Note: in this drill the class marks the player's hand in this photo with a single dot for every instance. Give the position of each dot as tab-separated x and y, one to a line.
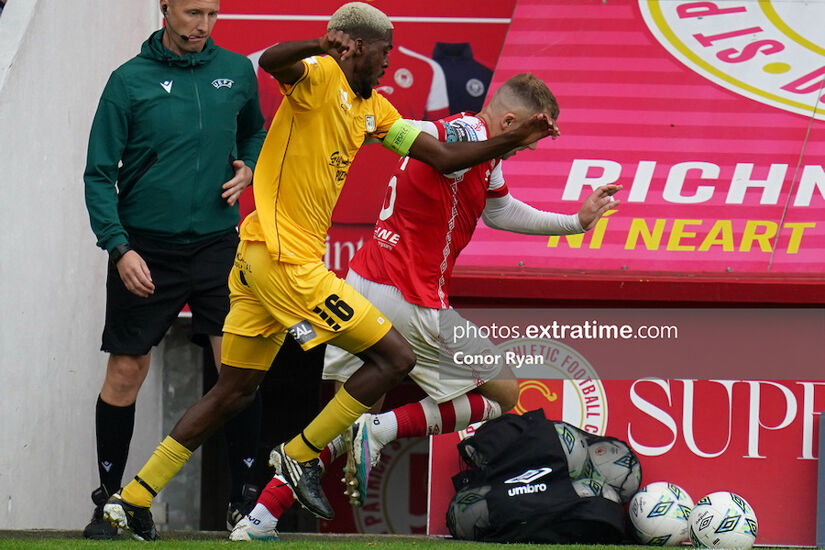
135	274
599	202
537	127
338	44
234	187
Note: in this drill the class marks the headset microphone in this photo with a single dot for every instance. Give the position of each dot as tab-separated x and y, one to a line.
183	36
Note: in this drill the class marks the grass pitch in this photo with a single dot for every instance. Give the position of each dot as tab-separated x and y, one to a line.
69	540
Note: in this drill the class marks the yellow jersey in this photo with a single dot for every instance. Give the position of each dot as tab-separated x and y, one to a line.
314	137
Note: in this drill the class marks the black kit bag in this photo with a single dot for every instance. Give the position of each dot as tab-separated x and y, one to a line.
517	488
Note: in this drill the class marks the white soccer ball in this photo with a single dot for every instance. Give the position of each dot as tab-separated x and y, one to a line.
614	462
659	513
723	520
590	487
468	517
575	448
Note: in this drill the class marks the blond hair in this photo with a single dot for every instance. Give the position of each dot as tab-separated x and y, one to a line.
360	20
527	91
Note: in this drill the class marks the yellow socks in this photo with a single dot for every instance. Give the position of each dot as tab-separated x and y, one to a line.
161	467
337	416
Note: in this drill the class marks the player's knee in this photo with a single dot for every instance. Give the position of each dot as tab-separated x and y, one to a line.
398	361
404	360
234	394
509	397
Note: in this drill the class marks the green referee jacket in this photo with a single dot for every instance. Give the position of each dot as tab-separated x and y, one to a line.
162	142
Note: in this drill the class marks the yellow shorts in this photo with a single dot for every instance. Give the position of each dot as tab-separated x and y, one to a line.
270	298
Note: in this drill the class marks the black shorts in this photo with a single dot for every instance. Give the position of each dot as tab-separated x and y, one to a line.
196	274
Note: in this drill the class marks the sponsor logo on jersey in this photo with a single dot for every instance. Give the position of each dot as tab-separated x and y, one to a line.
459	130
340	163
222	83
386	237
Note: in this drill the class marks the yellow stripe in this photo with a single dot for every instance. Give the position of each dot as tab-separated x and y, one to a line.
774	18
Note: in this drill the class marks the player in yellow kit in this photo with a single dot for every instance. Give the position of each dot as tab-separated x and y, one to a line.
279	282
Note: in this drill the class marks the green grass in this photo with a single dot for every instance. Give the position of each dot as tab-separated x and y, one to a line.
46	540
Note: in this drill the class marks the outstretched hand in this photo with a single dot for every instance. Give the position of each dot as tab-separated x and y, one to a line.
599	202
338	44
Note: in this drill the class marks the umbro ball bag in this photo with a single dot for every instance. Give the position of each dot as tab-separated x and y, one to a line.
516	488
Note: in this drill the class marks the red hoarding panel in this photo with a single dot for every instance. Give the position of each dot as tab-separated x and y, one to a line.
704	112
755	438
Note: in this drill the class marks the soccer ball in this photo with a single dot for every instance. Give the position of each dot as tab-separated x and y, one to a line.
614	462
575	448
590	487
723	520
659	513
468	517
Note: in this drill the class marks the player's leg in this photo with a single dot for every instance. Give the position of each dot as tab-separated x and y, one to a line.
210	266
245	361
261	523
132	326
457	395
337	314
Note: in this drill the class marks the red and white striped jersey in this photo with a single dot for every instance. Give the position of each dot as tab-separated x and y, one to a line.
428	218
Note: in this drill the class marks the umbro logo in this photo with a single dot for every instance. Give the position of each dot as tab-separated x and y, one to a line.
167	85
222	82
530	475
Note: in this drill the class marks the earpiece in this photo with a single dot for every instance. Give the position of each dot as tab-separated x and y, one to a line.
164	8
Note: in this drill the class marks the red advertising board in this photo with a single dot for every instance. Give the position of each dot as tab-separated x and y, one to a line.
710	116
756	438
708	113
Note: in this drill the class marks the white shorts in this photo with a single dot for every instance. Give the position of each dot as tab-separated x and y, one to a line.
435	371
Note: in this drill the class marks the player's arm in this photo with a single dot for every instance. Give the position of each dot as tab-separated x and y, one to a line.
283	61
510	214
406	139
107	141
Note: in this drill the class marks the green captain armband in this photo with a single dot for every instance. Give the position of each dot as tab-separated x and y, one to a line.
400	137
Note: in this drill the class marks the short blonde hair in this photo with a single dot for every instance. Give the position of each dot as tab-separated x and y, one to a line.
528	91
360	20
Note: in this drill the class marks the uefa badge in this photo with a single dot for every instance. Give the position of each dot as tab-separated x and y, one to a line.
370	121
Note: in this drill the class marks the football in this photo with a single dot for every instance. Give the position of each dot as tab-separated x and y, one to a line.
589	487
468	516
575	448
659	513
614	462
723	520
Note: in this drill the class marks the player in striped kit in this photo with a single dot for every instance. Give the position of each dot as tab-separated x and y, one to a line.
405	271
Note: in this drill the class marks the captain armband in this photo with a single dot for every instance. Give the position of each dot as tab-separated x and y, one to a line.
401	136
